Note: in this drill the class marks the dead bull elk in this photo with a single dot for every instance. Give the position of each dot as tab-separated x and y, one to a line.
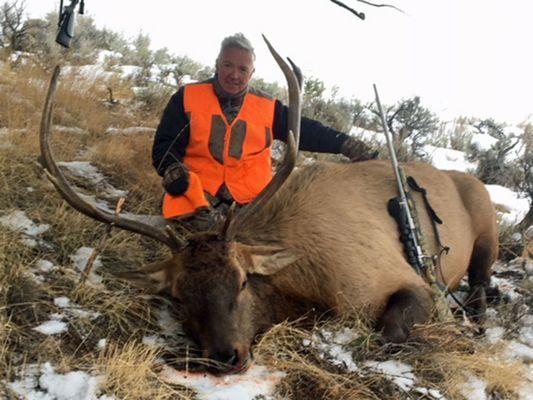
318	238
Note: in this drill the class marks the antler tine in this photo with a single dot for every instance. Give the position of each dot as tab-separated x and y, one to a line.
76	201
294	82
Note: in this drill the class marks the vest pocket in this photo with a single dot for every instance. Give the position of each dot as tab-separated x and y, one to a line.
258	171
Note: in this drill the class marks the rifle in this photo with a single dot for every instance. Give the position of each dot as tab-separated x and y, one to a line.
403	209
66	21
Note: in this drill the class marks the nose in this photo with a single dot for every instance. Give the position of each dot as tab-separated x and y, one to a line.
234	74
227	360
229	357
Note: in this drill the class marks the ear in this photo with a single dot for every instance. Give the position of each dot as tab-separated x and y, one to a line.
165	273
262	259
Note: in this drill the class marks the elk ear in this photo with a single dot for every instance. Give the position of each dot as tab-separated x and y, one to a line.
263	259
162	275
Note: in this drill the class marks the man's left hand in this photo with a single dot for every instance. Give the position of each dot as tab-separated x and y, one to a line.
356	150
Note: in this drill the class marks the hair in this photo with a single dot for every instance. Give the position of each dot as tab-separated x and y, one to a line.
237	40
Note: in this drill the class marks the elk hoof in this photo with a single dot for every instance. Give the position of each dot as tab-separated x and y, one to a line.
404	309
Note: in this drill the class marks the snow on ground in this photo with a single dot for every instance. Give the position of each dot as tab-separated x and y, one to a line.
127	71
43	383
483	141
333	346
80	259
474	389
53	326
86	170
448	159
512	206
516	206
256	382
19	222
104	56
69	130
87	73
44	265
400	373
75	310
133	130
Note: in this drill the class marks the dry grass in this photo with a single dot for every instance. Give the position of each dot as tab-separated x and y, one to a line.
130	371
440	356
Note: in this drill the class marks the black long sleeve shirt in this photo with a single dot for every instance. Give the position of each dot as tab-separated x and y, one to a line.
173	133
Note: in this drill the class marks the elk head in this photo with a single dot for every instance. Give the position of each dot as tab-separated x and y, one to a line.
215	279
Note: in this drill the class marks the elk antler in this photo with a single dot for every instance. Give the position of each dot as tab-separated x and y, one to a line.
294	82
152	226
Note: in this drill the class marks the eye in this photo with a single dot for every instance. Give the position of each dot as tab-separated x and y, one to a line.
244	284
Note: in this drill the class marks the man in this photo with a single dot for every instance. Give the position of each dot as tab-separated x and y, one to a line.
212	146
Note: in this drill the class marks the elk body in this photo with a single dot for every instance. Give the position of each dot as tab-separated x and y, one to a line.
318	238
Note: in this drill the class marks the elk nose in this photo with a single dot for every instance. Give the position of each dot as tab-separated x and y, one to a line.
229	357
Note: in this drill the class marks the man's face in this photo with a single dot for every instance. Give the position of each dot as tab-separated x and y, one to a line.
235	67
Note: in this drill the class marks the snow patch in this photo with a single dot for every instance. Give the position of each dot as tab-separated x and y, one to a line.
75	310
19	222
44	265
507	288
483	141
133	130
398	372
45	384
79	261
474	389
83	169
494	334
69	130
448	159
515	206
256	382
86	170
333	346
52	327
519	351
153	341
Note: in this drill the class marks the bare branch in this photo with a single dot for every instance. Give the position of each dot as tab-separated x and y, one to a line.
361	15
356	13
381	5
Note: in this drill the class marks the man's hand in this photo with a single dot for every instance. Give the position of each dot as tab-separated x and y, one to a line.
176	179
356	150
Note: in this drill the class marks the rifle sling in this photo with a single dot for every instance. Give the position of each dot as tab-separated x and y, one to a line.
432	214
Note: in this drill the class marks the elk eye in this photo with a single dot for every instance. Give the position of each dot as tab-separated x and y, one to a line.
244	284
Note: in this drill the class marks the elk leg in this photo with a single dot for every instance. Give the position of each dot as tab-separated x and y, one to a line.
479	280
405	308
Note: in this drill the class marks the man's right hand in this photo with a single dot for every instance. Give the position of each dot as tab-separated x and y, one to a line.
176	179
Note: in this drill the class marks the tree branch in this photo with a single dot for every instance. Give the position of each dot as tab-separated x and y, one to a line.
361	15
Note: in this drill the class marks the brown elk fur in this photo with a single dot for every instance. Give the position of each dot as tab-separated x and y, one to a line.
326	242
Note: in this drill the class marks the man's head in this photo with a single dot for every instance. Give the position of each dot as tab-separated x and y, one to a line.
235	63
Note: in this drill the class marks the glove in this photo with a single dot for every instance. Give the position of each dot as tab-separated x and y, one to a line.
356	150
176	179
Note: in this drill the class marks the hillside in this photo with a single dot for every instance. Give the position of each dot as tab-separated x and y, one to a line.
64	337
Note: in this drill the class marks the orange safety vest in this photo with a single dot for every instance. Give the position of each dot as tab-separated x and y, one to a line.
236	154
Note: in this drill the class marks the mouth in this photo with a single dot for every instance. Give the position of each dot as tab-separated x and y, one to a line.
242	365
235	85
